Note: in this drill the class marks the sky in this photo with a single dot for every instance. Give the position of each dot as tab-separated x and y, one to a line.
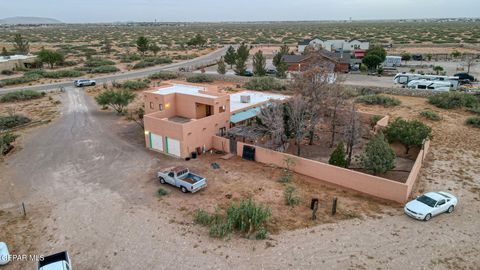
88	11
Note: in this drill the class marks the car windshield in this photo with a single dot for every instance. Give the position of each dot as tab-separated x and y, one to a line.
427	200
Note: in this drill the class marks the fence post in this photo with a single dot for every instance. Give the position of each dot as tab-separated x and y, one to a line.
24	212
334	206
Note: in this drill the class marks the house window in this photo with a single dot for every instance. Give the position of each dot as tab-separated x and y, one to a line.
223	131
160	107
152	106
222	109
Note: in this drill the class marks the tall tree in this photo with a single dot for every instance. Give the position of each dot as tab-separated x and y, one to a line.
270	121
378	156
284	49
409	133
118	100
353	131
50	57
406	56
142	45
278	62
297	111
470	62
336	98
374	57
221	68
259	64
154	48
231	56
242	55
20	44
337	158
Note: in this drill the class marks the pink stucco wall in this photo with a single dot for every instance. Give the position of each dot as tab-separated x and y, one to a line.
221	144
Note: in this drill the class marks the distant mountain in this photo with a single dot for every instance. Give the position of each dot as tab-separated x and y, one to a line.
29	20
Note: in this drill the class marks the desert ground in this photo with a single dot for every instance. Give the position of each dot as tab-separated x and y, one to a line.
89	187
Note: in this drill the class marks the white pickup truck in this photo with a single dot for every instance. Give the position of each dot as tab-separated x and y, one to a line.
59	261
182	178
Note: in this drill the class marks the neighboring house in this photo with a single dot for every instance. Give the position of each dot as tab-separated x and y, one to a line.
183	118
13	62
335	45
338	62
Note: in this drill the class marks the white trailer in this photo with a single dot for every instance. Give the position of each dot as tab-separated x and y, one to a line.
405	78
392	61
423	84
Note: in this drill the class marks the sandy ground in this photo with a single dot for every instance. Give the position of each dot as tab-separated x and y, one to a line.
89	189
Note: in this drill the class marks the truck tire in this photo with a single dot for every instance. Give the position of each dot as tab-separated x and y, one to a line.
184	189
162	180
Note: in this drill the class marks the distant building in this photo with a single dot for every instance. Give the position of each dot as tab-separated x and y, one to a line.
16	61
337	62
334	45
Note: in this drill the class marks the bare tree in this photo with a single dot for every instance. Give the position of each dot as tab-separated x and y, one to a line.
335	101
470	62
353	131
271	122
297	111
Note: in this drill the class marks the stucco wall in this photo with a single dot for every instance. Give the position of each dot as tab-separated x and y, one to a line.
221	144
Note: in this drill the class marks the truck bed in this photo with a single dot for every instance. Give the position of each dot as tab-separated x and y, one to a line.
191	178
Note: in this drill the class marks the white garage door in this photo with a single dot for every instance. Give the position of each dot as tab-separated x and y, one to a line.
156	142
173	147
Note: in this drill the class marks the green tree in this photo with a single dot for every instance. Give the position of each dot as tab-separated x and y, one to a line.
378	156
240	66
154	48
117	100
372	61
456	54
429	57
284	49
50	57
378	51
198	40
406	56
231	56
409	133
242	55
278	62
438	69
142	44
337	158
259	63
20	44
221	68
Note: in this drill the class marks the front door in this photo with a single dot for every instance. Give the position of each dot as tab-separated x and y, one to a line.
233	145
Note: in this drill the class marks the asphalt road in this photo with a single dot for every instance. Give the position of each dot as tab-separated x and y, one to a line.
204	59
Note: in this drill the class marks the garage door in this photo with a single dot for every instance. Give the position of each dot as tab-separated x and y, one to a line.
173	147
156	142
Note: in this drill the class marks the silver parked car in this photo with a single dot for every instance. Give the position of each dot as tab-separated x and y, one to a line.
84	82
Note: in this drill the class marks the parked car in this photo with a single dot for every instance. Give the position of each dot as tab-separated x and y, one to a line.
431	204
84	82
271	71
182	178
417	57
58	261
248	73
463	76
4	254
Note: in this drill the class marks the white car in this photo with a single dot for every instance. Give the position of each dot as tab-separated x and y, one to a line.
4	255
431	204
84	82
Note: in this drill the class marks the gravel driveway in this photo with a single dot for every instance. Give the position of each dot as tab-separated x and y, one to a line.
86	192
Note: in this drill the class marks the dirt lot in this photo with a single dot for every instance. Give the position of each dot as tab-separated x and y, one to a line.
94	195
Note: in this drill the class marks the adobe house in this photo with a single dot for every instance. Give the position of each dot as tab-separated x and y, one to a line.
339	62
334	45
13	62
182	118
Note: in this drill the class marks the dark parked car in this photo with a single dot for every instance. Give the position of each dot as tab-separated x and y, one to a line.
417	57
247	73
463	76
271	71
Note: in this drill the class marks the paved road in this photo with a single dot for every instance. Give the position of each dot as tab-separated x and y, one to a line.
199	61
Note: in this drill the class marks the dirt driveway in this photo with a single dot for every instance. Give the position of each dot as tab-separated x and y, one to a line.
87	190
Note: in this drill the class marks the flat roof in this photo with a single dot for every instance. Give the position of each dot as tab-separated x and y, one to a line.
183	89
255	99
15	57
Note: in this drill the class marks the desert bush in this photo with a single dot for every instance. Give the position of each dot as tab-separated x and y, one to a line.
103	69
163	75
247	216
98	62
431	115
452	100
264	84
20	96
202	217
409	133
337	158
473	121
20	80
135	85
152	61
162	192
7	72
289	194
117	100
6	140
262	234
11	121
475	109
379	100
63	74
199	78
130	58
378	157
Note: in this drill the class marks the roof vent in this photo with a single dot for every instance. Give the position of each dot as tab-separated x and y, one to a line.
245	99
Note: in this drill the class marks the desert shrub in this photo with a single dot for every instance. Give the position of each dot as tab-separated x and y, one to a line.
63	74
264	84
69	63
475	109
98	62
20	96
152	61
6	140
117	100
104	69
7	72
247	216
337	158
289	194
378	157
409	133
199	78
452	100
20	80
185	56
473	121
262	234
130	58
379	100
162	192
163	75
374	120
135	85
431	115
11	121
202	217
